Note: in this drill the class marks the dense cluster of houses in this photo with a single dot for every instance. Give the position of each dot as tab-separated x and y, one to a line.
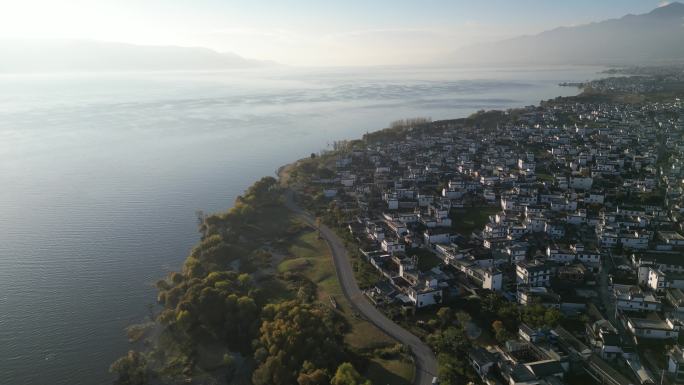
569	205
638	80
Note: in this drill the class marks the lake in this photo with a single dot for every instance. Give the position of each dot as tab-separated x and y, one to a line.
101	176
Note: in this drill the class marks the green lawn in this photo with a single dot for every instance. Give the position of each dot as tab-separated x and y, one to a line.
275	290
546	177
426	258
381	372
366	275
311	257
465	221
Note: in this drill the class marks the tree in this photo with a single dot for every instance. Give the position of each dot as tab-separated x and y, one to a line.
445	316
500	332
131	369
552	317
218	307
491	303
184	319
450	369
312	376
463	318
347	375
538	316
296	338
510	314
452	340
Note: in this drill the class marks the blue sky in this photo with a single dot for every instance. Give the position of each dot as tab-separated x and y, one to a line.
308	32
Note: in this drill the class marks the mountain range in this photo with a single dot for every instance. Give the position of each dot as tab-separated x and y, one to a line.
39	55
656	37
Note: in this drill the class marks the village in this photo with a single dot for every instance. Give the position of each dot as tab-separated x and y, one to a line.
576	206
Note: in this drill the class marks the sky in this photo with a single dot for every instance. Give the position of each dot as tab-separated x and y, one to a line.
307	32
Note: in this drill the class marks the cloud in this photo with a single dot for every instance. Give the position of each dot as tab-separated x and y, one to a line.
338	46
281	35
389	32
664	4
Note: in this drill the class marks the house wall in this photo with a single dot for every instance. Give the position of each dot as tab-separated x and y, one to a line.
493	282
655	334
425	299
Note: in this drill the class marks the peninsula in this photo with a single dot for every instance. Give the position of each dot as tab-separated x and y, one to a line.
540	244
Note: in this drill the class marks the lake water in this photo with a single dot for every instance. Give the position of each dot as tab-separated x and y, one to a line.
101	175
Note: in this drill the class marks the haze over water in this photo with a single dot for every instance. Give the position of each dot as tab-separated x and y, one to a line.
101	175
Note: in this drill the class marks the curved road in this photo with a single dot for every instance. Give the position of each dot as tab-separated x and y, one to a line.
425	361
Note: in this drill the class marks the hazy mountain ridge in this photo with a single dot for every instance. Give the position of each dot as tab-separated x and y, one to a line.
654	37
37	55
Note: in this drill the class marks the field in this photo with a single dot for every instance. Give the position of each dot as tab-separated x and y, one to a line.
426	259
545	177
465	221
311	257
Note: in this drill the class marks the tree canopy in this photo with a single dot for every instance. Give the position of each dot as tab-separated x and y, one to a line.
297	338
347	375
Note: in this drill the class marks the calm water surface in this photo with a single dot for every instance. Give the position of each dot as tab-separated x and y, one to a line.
101	174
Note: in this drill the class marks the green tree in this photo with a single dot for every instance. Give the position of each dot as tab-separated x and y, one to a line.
451	369
296	338
131	369
500	332
312	376
463	318
445	316
552	317
510	314
538	316
451	340
347	375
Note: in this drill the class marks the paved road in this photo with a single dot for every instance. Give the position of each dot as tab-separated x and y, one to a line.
426	363
606	291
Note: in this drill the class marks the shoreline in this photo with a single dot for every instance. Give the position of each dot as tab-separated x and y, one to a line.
280	173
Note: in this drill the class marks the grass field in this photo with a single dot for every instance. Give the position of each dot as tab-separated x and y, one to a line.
426	258
311	257
546	177
465	221
381	371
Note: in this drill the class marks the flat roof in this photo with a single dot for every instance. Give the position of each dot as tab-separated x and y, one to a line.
671	235
643	323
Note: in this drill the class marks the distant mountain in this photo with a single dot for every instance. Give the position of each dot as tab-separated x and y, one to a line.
47	55
656	37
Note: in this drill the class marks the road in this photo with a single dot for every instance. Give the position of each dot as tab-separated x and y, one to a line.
606	291
424	358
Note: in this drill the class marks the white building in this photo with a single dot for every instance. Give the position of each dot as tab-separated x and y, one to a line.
656	280
392	246
427	294
533	274
580	183
675	363
560	255
655	329
632	298
634	240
